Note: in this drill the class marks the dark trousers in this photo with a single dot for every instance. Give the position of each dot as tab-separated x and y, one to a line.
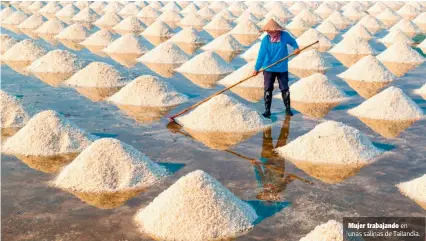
269	80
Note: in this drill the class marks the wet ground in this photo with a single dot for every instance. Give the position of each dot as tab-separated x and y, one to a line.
31	210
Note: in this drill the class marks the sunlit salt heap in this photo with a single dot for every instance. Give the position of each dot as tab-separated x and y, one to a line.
193	19
219	23
206	63
148	90
312	35
224	114
6	42
87	15
36	6
242	73
52	26
390	104
98	6
225	43
377	8
165	53
352	45
126	44
368	69
109	165
390	16
309	17
26	50
156	5
327	27
297	7
218	5
372	24
114	7
130	9
82	4
360	31
47	134
148	12
171	6
247	16
298	24
15	18
310	59
5	13
97	74
75	32
353	13
50	8
206	12
281	12
407	27
420	20
409	11
159	29
396	36
252	52
324	10
102	38
170	16
339	20
262	23
13	113
130	23
68	11
187	35
57	61
414	189
196	207
245	27
109	19
401	52
331	143
331	230
237	7
191	8
32	22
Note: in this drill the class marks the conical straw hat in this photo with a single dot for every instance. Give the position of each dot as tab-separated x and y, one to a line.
271	25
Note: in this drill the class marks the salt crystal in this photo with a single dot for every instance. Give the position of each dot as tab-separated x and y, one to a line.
187	35
102	37
74	32
401	52
130	23
57	61
219	23
390	104
32	22
50	8
242	73
245	27
109	19
352	45
165	53
224	43
310	59
148	90
311	35
97	74
415	189
68	11
126	44
206	63
6	42
15	18
52	26
26	50
47	134
109	165
86	15
159	29
130	9
396	36
196	207
251	53
360	31
13	113
331	230
368	69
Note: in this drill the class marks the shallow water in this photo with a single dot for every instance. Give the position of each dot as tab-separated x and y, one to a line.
32	210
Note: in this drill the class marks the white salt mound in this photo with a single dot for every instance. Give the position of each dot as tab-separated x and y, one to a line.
421	19
148	12
329	231
396	36
358	30
187	35
196	207
50	8
114	7
109	19
298	24
309	17
126	44
130	9
86	15
207	62
102	37
47	134
69	11
170	16
327	27
331	143
245	27
97	74
401	52
388	14
158	28
206	12
193	19
5	13
109	165
338	19
316	88
148	90
353	45
57	61
241	73
368	69
130	23
15	18
247	16
13	113
371	23
311	59
76	32
390	104
406	26
191	8
224	114
165	53
52	26
26	50
225	43
32	22
219	23
251	53
414	189
6	42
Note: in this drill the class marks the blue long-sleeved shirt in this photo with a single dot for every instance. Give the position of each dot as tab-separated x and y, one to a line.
271	52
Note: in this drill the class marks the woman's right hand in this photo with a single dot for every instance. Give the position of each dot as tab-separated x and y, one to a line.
256	72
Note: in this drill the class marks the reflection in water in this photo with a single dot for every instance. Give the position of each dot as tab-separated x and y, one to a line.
12	28
107	200
96	50
19	66
246	39
302	73
251	94
127	60
220	140
189	48
399	69
49	38
216	32
206	81
164	70
156	40
6	133
48	164
366	89
72	44
143	114
314	110
53	79
97	94
30	33
348	59
387	128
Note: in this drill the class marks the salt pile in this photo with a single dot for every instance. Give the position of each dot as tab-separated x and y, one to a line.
409	12
52	26
26	50
339	20
251	53
310	36
297	7
97	74
328	29
193	19
191	8
109	165
396	36
75	32
68	11
390	104
5	13
86	15
98	6
224	114
171	6
15	18
331	143
114	7
354	13
13	113
206	12
407	27
331	230
245	27
130	23
165	53
368	69
420	21
159	29
206	63
226	14
241	73
108	20
259	11
247	16
47	134
170	16
360	31
281	12
196	207
377	8
126	44
188	36
130	9
297	27
50	8
57	61
219	23
225	43
218	5
352	46
148	12
32	22
148	90
415	189
324	10
156	5
237	8
309	17
82	4
308	62
389	17
102	38
372	24
6	42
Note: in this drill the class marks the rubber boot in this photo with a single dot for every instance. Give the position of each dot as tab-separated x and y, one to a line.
267	97
286	99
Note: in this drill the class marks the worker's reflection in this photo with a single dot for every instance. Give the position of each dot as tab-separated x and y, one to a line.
270	172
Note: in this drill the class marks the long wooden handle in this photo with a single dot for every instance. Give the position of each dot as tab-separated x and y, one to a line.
239	82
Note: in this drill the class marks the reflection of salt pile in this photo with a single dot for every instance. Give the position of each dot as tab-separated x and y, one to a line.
421	91
6	42
206	63
101	38
158	29
251	53
224	114
32	22
311	35
26	50
400	58
13	113
53	26
68	11
109	165
108	20
331	143
328	29
75	32
407	27
194	208
126	44
388	17
15	18
56	61
396	36
415	189
97	74
187	35
245	27
331	230
307	63
165	53
225	43
358	30
148	91
86	15
46	134
351	49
